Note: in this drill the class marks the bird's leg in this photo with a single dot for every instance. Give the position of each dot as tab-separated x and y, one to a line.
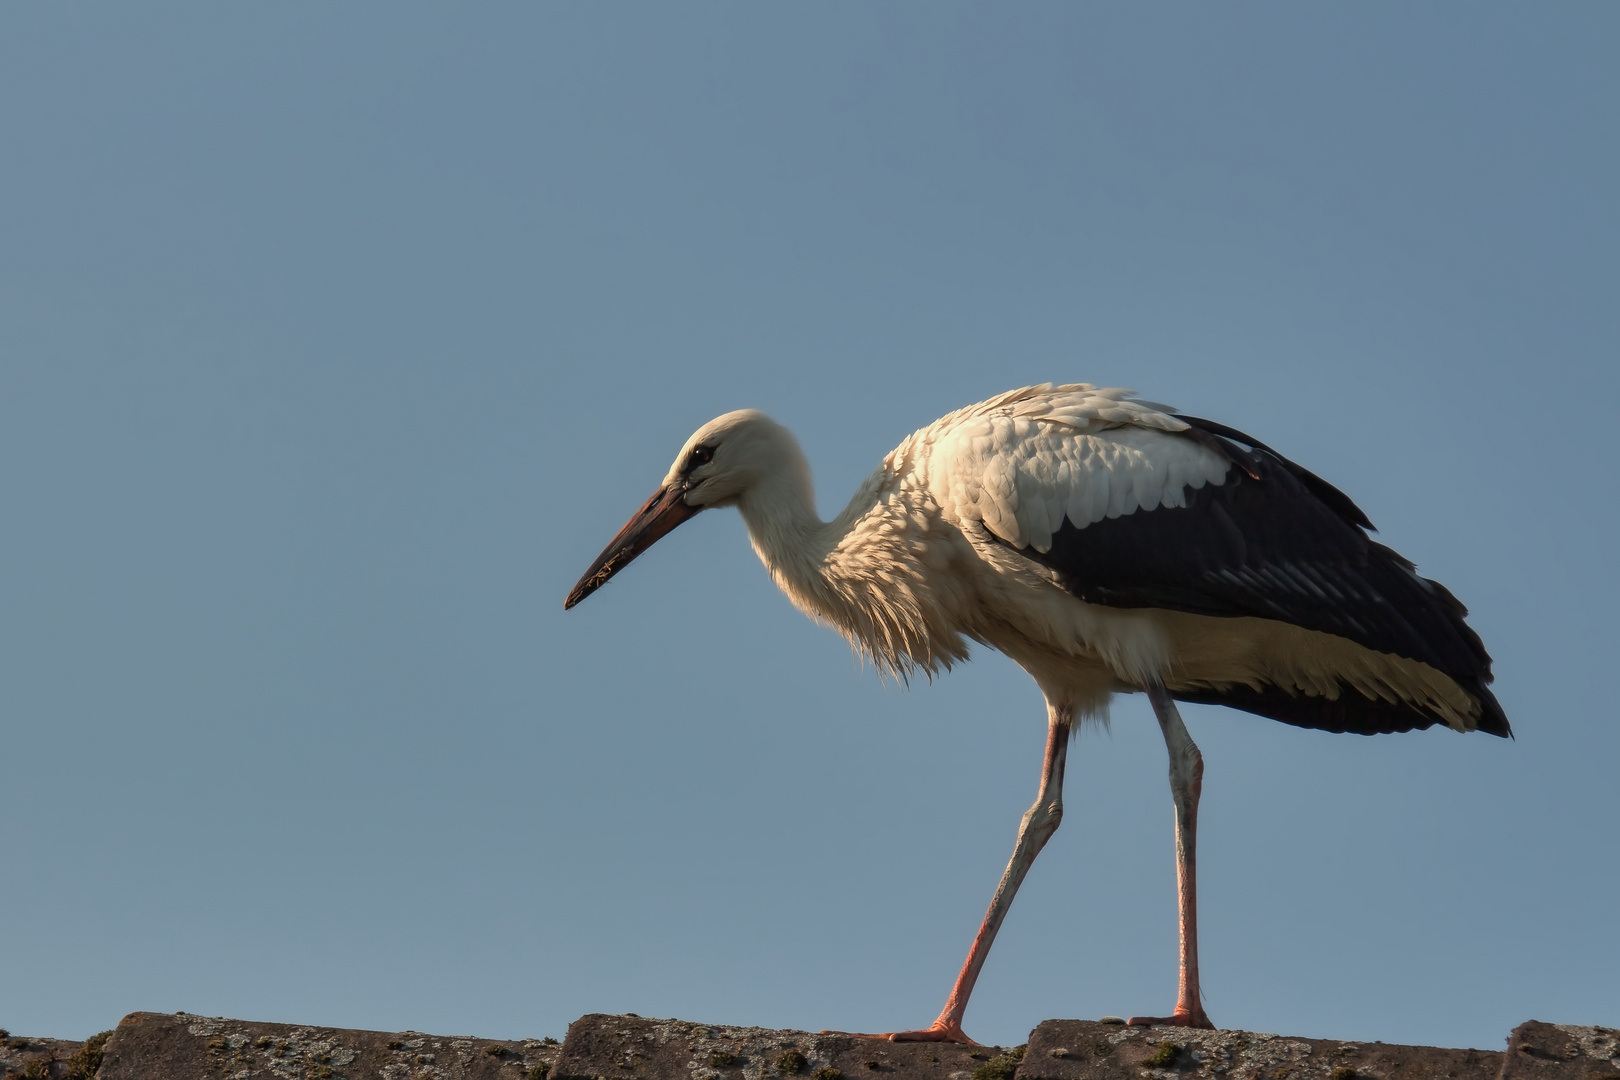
1186	784
1039	823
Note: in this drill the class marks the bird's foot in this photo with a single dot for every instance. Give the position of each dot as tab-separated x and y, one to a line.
939	1032
946	1031
1196	1019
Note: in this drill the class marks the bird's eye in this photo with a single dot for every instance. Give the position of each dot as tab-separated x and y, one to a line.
701	455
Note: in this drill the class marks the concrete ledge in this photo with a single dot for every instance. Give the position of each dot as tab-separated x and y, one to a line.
1537	1050
170	1046
1083	1050
602	1047
62	1059
180	1046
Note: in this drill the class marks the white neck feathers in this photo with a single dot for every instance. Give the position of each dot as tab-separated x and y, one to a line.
856	573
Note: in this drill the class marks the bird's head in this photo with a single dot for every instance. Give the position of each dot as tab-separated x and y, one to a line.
725	462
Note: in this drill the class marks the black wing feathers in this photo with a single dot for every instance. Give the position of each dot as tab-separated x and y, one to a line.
1275	541
1335	499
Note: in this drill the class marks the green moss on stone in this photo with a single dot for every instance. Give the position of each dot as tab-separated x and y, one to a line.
1001	1067
1165	1055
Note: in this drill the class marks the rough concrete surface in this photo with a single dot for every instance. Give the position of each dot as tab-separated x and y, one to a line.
1083	1050
631	1048
180	1046
32	1058
1537	1050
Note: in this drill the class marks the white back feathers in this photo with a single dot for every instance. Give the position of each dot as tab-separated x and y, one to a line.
1024	461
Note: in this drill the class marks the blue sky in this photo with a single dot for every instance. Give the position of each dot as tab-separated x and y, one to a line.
336	341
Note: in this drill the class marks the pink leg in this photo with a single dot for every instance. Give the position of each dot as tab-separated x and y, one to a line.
1186	784
1037	827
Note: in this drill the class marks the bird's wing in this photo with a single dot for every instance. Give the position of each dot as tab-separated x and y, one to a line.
1031	460
1184	514
1026	462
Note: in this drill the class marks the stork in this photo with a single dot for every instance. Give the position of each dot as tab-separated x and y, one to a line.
1107	545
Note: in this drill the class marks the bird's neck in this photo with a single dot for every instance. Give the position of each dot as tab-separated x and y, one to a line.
855	573
785	529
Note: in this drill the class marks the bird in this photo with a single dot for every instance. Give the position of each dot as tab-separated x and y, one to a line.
1108	545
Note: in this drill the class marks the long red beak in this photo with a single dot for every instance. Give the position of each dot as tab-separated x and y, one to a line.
658	515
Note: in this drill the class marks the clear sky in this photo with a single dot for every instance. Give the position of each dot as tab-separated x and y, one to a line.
335	341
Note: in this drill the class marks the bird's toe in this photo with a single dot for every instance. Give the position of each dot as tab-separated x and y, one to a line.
937	1033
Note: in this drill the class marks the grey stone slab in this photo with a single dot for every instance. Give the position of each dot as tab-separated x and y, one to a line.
634	1048
180	1046
1541	1051
59	1059
1089	1050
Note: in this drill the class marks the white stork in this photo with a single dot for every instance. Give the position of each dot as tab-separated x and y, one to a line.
1107	545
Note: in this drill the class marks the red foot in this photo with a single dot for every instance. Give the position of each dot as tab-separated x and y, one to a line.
1180	1019
938	1033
